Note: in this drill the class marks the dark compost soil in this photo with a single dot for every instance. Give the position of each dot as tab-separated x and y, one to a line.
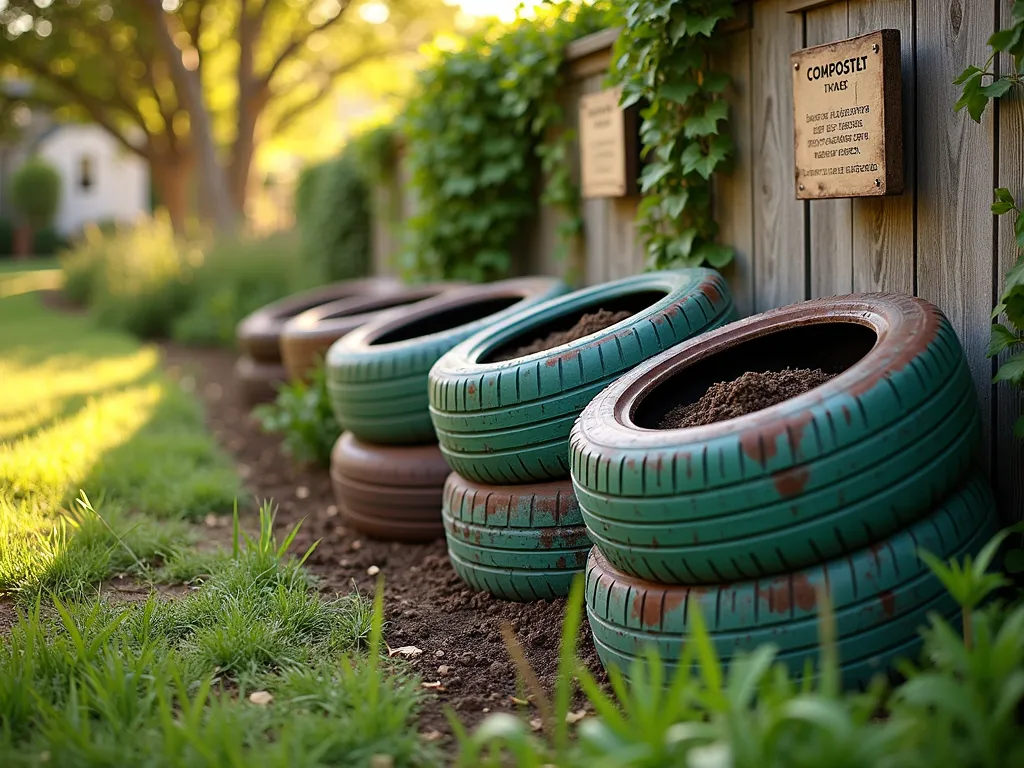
586	325
426	604
753	391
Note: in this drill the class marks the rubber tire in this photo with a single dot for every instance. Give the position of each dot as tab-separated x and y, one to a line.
258	382
306	337
518	542
880	597
801	482
387	492
258	335
509	421
379	391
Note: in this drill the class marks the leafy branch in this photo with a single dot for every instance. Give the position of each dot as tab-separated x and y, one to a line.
663	62
976	95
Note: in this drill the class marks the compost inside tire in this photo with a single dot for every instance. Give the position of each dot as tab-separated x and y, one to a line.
753	391
573	325
830	347
447	319
589	323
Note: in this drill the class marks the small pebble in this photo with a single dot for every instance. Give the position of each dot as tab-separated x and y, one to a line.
302	492
439	654
373	570
444	669
357	544
331	511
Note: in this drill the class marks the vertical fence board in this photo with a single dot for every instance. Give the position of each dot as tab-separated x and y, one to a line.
883	227
1009	462
831	227
778	215
954	182
733	194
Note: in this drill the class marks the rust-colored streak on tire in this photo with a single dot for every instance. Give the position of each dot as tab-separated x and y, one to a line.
306	337
389	492
258	335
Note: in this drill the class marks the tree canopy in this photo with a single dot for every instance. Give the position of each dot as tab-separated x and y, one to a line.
195	85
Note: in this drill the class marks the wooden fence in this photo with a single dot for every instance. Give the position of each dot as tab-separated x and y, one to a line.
938	240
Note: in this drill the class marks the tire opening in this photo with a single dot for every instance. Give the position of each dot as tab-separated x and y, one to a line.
446	319
832	347
377	306
630	302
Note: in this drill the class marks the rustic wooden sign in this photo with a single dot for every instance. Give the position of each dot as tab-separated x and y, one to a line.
608	146
848	124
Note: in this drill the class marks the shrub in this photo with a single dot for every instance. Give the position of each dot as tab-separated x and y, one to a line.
83	264
47	241
6	238
234	279
306	190
302	413
35	191
142	282
335	225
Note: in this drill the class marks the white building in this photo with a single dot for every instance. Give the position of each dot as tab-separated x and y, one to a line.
100	179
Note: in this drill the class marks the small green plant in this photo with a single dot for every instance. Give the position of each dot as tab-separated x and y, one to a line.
35	192
303	414
663	62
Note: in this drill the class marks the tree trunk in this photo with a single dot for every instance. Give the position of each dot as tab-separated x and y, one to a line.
171	177
241	160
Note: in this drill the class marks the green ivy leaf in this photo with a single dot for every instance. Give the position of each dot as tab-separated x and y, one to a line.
967	74
1012	370
1005	39
996	89
674	204
707	123
680	93
716	254
1003	195
1000	208
716	82
1002	338
652	174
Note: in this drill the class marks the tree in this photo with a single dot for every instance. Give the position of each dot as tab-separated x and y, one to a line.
192	86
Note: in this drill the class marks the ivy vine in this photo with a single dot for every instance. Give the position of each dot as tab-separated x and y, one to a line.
981	85
662	61
482	138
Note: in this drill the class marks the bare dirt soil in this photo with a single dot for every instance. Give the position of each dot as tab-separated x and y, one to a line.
753	391
426	604
586	325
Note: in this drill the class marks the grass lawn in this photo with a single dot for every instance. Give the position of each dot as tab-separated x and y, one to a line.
89	681
18	277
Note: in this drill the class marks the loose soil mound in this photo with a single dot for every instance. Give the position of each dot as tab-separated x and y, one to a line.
753	391
426	604
586	325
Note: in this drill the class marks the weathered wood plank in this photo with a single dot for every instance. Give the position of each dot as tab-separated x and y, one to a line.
831	224
1008	466
734	192
954	184
778	215
883	228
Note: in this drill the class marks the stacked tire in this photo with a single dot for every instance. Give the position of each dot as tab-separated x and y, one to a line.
260	369
386	468
754	519
503	419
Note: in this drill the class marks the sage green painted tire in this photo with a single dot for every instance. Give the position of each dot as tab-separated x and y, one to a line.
523	542
880	596
804	481
377	374
508	421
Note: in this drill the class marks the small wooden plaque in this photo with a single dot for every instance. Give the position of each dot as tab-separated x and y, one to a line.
608	146
848	123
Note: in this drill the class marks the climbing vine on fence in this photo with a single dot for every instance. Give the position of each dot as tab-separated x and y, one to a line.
980	85
481	132
662	60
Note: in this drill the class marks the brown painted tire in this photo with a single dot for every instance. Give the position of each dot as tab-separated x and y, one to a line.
810	479
306	337
389	492
258	382
258	335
